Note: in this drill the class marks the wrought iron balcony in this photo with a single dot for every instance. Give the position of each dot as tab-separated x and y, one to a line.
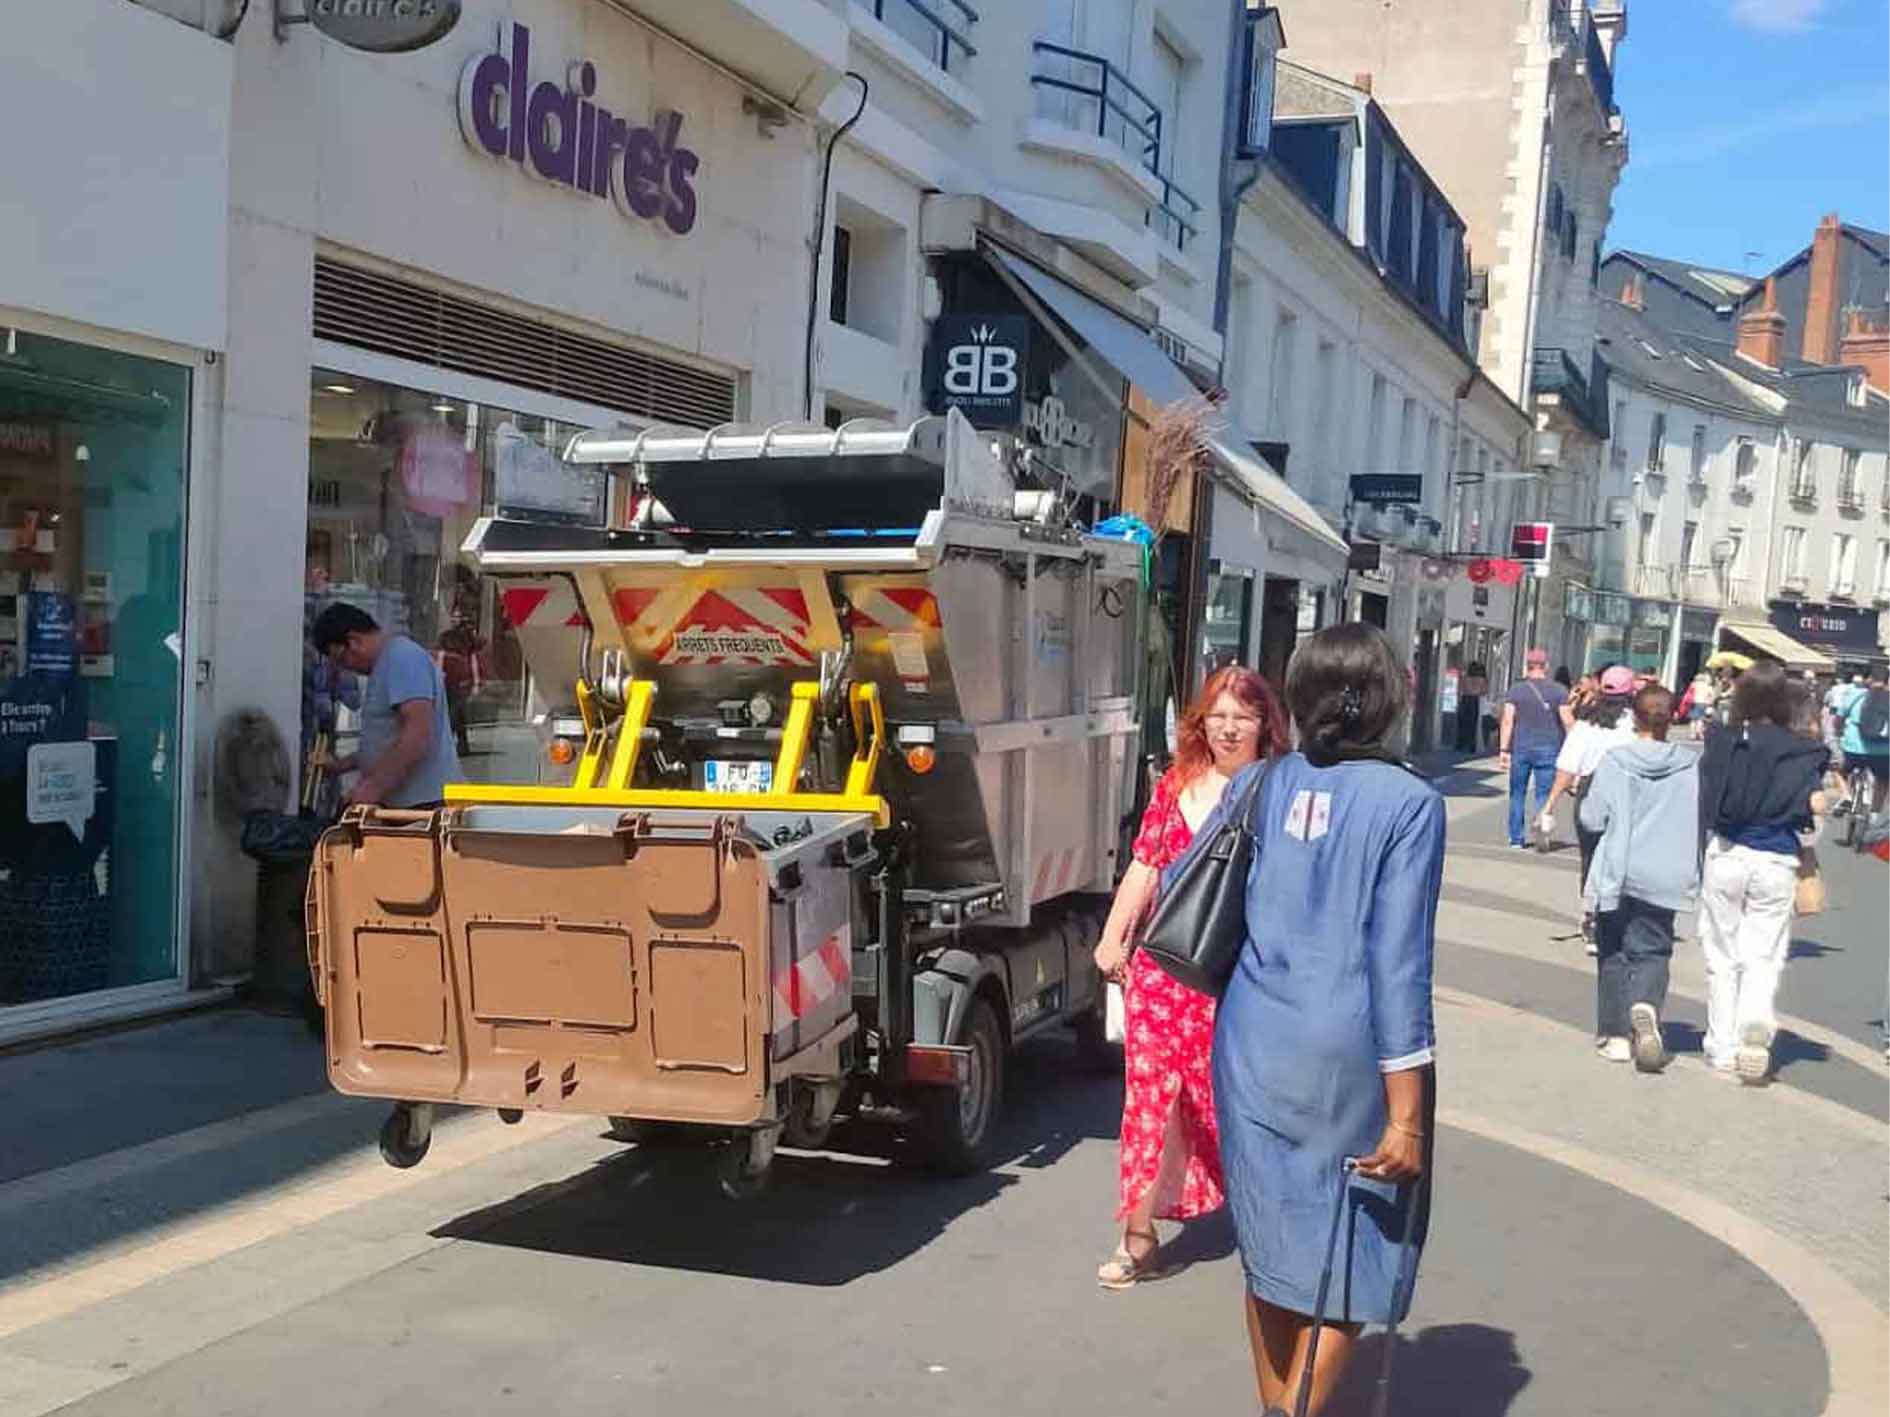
1654	581
939	29
1586	399
1850	498
1100	98
1177	217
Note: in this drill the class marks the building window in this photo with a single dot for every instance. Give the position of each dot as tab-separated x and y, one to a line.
1791	558
1745	467
1657	443
1375	426
1843	566
1883	570
1650	528
1850	484
1325	389
1697	469
1736	553
1617	452
1805	472
840	282
1689	545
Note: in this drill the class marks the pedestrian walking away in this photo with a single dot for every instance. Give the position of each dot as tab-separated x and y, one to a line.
1324	1041
1757	778
1643	804
1866	744
1170	1164
406	756
1529	739
1603	721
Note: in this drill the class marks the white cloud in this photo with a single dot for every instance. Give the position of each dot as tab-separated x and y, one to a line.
1776	15
1840	107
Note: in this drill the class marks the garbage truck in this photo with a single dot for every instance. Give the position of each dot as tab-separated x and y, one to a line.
853	741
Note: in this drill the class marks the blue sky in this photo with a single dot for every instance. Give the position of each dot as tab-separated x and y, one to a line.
1747	121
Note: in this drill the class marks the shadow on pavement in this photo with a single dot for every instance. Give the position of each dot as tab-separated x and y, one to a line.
826	1218
1812	949
1787	1049
1451	1370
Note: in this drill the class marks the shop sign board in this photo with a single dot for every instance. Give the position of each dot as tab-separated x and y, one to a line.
1388	489
559	133
1842	627
384	26
980	362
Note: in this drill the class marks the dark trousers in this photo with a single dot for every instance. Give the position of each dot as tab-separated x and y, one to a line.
1635	943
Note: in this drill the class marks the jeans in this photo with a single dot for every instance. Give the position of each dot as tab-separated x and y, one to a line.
1746	899
1523	763
1635	943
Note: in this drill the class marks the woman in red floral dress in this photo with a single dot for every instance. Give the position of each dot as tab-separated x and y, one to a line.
1171	1166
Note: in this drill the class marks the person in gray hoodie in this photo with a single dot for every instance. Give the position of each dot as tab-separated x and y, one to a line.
1644	802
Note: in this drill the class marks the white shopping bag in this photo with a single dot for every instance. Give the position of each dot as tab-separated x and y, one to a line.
1115	1025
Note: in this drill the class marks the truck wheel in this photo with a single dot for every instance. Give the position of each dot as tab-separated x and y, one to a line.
745	1164
957	1127
399	1146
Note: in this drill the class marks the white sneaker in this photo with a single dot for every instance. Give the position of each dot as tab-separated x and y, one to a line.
1615	1050
1650	1053
1753	1061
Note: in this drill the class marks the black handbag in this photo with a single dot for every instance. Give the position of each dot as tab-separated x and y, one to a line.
1200	919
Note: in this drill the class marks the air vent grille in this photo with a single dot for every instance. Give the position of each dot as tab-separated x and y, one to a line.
396	317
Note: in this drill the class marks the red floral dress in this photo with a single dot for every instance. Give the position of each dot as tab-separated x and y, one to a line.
1170	1142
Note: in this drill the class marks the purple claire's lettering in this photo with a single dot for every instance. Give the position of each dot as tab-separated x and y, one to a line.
559	135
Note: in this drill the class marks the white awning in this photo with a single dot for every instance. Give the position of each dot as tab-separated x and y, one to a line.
1120	343
1776	644
1308	534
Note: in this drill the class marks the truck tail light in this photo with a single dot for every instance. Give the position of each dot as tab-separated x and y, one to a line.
938	1064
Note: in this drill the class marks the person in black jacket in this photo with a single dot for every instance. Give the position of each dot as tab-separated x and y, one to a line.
1757	778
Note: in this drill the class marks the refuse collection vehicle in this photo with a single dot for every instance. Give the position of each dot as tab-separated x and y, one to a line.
856	743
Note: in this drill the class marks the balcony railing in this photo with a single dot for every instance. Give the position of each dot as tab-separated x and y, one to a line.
1804	492
1585	398
1595	61
1177	217
1743	488
1655	581
1100	98
929	25
1794	582
1850	499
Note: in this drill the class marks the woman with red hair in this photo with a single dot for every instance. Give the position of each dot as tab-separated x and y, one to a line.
1170	1156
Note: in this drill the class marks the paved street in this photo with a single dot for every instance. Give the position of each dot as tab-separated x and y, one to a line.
191	1224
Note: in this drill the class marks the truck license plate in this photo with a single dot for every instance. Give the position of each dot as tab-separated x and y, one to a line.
720	775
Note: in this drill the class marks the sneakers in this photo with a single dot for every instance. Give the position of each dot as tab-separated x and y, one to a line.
1519	846
1753	1061
1650	1053
1614	1050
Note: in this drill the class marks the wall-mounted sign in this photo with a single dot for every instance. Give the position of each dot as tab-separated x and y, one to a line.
1054	426
1388	489
22	440
1842	627
980	361
557	133
383	26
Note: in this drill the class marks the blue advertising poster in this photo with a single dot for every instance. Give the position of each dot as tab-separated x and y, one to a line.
52	634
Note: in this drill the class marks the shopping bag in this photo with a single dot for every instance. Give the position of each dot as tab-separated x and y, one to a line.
1115	1017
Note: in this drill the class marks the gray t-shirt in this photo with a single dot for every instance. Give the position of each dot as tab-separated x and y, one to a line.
403	673
1538	724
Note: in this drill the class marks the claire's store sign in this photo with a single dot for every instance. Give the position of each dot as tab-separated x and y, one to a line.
383	26
561	134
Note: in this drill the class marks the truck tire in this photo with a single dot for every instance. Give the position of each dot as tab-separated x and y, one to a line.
956	1132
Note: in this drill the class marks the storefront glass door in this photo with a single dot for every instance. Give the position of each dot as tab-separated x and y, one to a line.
94	446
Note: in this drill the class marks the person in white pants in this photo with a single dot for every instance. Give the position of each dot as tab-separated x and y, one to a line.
1757	778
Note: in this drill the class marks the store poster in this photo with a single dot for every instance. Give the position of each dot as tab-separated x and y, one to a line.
437	472
52	634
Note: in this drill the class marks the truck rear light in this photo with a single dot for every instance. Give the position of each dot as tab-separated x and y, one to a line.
938	1064
921	758
562	752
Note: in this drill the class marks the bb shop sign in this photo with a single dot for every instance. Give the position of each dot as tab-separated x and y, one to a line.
561	134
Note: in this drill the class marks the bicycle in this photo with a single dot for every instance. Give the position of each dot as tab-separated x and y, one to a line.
1859	786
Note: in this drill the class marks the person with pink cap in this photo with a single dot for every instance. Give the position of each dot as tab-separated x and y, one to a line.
1601	723
1529	738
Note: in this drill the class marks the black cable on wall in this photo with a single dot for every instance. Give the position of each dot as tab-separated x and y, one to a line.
820	245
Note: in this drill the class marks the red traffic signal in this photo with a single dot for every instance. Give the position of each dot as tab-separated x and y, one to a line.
1529	541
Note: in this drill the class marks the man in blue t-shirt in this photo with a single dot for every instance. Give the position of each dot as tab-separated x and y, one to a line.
1866	743
406	756
1529	737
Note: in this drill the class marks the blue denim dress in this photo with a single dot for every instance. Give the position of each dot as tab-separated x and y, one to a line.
1332	990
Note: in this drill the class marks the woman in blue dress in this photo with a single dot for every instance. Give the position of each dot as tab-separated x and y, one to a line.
1323	1041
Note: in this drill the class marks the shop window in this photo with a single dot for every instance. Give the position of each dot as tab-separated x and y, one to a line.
1227	622
396	479
93	451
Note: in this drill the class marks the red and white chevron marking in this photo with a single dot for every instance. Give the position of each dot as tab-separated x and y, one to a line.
541	605
1057	872
733	625
896	608
813	979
